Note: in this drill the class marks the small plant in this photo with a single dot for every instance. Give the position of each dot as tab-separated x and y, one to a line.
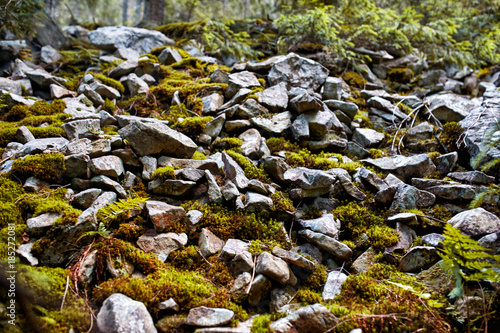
121	210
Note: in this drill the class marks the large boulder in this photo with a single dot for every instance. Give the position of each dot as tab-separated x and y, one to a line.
297	71
476	222
141	40
120	313
156	138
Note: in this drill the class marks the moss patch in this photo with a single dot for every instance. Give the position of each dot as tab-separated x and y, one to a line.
48	167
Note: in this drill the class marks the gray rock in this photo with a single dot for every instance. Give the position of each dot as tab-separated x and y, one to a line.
93	96
39	146
409	197
193	217
450	107
250	108
105	91
240	80
314	318
214	193
306	178
257	203
136	85
219	76
149	139
433	239
214	127
75	128
169	304
405	167
169	56
422	131
472	177
446	163
86	198
280	298
349	108
76	165
170	187
209	317
209	243
333	88
149	165
106	183
306	102
326	224
33	184
41	223
108	198
230	191
42	78
251	143
491	241
476	222
255	185
8	85
406	238
241	263
455	191
234	172
351	189
333	285
161	244
276	167
273	267
315	125
120	313
123	69
418	258
163	215
182	163
355	151
296	71
293	258
274	98
85	274
386	106
149	79
24	251
138	39
111	166
329	244
365	261
212	103
49	55
58	92
232	248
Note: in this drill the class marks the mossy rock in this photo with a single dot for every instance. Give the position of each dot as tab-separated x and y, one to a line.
354	80
48	167
402	75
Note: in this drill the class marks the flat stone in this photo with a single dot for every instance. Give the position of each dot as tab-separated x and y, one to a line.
276	125
37	225
85	198
476	222
273	267
209	317
110	166
307	178
232	248
333	285
314	318
472	177
274	98
183	163
293	258
163	215
326	224
408	197
404	167
418	258
209	243
367	137
161	244
106	183
450	107
255	202
329	244
173	187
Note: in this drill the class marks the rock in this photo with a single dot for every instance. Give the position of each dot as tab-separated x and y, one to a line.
33	184
58	92
41	223
306	102
280	298
386	106
405	167
471	307
257	203
306	178
418	258
240	80
450	107
138	39
76	165
39	146
326	224
296	71
86	198
214	193
315	125
314	318
436	279
169	56
149	139
409	197
124	68
423	131
75	128
455	191
472	177
8	85
161	244
333	88
120	313
234	172
476	222
230	191
24	251
273	267
111	166
351	189
491	241
169	304
181	163
42	78
349	108
276	125
136	85
106	183
446	163
242	262
209	243
163	215
193	217
333	285
214	127
329	244
274	98
170	187
212	103
367	137
209	317
149	165
232	248
293	258
105	91
365	261
49	55
276	167
251	143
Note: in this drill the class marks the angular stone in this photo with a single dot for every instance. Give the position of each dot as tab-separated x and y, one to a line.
75	128
124	68
24	251
173	187
272	267
293	258
214	193
33	184
333	285
326	224
367	137
423	131
149	165
386	106
105	91
214	127
169	304
365	261
161	244
408	197
234	172
296	71
212	103
418	258
349	108
136	85
58	92
276	167
242	262
36	225
120	313
230	191
274	98
309	178
39	146
240	80
149	139
276	125
476	222
108	184
329	244
405	168
163	215
314	318
351	189
232	248
111	166
207	164
169	56
255	202
76	165
333	88
306	102
472	177
446	163
209	243
209	317
86	198
455	191
450	107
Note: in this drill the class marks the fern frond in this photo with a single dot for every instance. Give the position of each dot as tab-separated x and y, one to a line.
120	209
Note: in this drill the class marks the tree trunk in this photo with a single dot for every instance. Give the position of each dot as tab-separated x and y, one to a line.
138	11
124	11
50	7
153	11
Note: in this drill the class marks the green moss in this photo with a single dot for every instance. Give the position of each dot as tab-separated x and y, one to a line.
48	167
281	144
199	156
228	144
349	243
34	121
402	75
53	201
354	79
365	120
121	210
356	218
308	296
44	108
167	87
322	161
193	126
17	113
282	202
450	134
109	106
147	58
164	173
109	82
251	171
316	281
376	153
381	237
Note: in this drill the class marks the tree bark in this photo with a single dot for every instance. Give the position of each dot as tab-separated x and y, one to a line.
153	11
124	11
50	7
138	5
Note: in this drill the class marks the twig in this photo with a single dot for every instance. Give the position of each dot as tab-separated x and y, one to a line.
247	289
65	292
199	252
